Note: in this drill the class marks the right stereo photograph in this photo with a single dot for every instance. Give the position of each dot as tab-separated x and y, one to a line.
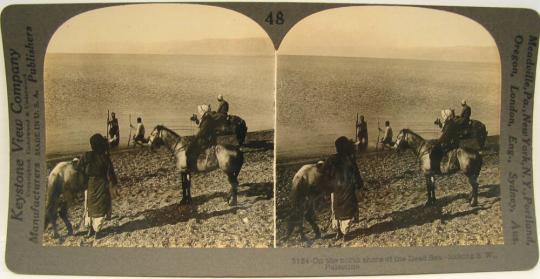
387	130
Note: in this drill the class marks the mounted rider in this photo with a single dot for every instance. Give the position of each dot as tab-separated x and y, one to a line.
207	136
223	105
465	115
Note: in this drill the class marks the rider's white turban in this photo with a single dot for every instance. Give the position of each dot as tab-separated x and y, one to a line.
463	102
220	97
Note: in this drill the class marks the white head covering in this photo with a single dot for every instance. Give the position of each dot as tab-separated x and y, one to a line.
220	97
463	102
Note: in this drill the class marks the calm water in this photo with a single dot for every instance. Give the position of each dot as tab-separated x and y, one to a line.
318	98
80	88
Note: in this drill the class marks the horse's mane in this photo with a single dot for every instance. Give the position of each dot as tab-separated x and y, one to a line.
409	131
161	127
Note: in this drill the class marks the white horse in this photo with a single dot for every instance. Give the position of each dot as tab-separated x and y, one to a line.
306	189
191	157
63	183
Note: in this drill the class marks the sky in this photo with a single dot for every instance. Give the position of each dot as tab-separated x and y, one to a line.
376	31
158	28
390	32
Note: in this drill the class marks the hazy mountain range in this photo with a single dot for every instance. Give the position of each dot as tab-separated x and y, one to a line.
263	46
455	53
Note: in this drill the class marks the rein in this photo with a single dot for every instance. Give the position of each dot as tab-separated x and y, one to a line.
418	149
173	149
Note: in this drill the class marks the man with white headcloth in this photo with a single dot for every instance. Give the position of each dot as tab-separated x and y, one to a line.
223	105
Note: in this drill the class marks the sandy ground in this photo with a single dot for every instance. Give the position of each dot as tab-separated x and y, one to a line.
392	212
146	214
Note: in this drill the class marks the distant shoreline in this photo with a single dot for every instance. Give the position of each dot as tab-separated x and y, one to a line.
392	58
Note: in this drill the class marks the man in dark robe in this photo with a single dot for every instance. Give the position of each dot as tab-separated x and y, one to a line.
98	167
362	134
343	179
465	116
223	105
114	131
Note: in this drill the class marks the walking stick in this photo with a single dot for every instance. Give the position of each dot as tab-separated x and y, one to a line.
378	135
130	128
356	128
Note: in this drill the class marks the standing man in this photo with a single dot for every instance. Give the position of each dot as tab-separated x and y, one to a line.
223	105
388	134
98	167
139	132
362	134
114	131
343	180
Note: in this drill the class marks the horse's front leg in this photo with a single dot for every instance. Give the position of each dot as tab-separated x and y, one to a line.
311	218
52	220
473	197
183	179
188	188
430	189
64	216
232	198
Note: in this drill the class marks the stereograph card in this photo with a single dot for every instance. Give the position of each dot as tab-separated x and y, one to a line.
269	138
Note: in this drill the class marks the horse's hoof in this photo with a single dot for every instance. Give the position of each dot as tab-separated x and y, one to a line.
474	203
233	202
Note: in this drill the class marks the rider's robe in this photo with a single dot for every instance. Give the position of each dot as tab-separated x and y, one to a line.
100	170
341	177
223	107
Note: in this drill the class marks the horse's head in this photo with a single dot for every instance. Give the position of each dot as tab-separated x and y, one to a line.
402	140
202	109
155	140
447	114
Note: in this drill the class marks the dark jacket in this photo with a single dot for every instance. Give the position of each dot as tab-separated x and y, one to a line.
466	112
99	169
223	107
343	178
362	129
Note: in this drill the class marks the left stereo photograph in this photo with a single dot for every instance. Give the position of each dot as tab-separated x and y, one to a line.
158	135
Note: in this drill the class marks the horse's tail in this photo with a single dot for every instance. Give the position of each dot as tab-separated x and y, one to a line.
484	135
240	163
480	162
54	190
241	131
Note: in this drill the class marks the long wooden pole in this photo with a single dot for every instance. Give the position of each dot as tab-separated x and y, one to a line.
107	132
378	135
130	128
356	129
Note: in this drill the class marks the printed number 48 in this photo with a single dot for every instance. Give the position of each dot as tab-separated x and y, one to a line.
275	19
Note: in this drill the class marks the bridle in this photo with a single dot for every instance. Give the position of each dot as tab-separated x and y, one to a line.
419	154
172	149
